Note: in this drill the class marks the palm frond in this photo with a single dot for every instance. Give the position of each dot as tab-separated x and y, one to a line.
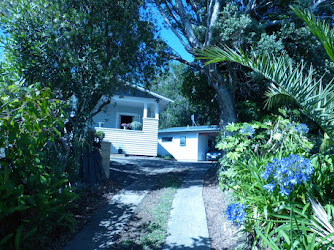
277	97
319	28
321	223
305	90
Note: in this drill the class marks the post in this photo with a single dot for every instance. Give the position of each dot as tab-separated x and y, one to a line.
145	110
157	110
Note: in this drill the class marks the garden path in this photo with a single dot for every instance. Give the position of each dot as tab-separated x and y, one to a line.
187	225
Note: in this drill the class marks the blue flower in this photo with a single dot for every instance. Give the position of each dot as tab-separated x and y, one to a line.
302	128
287	173
236	213
270	187
247	130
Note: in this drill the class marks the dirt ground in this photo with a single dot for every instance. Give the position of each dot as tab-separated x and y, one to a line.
223	234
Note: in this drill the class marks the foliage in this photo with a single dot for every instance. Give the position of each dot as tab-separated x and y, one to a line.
290	83
185	87
271	170
136	125
81	50
266	26
34	189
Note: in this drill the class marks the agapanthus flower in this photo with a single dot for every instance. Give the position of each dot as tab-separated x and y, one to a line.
247	130
287	173
290	126
236	213
302	128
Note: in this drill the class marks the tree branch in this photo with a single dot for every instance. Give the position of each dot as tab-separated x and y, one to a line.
188	30
213	13
316	4
195	9
163	14
191	64
101	107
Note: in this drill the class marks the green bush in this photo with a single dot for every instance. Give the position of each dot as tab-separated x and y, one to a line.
281	216
34	190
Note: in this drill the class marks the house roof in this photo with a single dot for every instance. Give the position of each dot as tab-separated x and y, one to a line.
207	128
152	93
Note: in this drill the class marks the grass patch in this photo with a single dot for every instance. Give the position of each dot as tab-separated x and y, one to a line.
151	230
156	231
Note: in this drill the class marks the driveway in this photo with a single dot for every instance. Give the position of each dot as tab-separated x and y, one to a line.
138	176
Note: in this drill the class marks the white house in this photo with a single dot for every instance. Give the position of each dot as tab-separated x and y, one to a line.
134	104
187	143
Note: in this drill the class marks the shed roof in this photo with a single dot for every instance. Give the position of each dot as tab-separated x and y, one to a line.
206	128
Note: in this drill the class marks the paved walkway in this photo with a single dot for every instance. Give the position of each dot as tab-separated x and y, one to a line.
187	225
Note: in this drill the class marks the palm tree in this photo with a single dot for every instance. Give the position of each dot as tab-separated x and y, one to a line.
290	84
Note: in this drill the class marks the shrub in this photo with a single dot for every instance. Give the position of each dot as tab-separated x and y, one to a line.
270	168
34	190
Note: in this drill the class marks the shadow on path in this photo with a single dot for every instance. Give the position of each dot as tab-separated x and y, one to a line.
138	177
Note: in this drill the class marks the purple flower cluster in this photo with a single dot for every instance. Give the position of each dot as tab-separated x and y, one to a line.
247	130
236	213
302	128
287	172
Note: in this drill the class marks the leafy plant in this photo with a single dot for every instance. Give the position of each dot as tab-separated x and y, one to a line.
290	84
35	194
136	125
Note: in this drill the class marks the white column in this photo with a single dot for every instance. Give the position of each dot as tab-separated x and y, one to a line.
145	110
156	110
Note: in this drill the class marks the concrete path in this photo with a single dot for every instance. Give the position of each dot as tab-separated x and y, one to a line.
187	225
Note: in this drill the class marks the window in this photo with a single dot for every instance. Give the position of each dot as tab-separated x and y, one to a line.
182	141
126	121
166	139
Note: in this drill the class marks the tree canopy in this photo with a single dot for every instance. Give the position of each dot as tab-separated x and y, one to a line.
262	25
85	48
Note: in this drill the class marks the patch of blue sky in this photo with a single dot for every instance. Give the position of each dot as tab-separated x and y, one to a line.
166	34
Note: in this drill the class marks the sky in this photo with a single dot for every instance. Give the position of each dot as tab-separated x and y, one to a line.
166	34
171	39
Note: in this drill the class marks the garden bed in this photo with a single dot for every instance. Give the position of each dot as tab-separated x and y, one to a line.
223	234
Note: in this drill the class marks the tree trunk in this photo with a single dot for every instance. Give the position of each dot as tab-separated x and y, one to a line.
226	105
225	91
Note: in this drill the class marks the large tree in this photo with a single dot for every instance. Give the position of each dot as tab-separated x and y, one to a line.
292	84
81	48
266	25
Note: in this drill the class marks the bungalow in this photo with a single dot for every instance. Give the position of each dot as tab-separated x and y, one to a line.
187	143
130	121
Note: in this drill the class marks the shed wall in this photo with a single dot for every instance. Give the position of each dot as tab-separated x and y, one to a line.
189	152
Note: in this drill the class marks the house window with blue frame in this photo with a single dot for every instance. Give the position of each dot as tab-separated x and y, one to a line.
182	141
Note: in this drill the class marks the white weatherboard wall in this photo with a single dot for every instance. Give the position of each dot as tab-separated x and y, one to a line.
183	153
134	142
